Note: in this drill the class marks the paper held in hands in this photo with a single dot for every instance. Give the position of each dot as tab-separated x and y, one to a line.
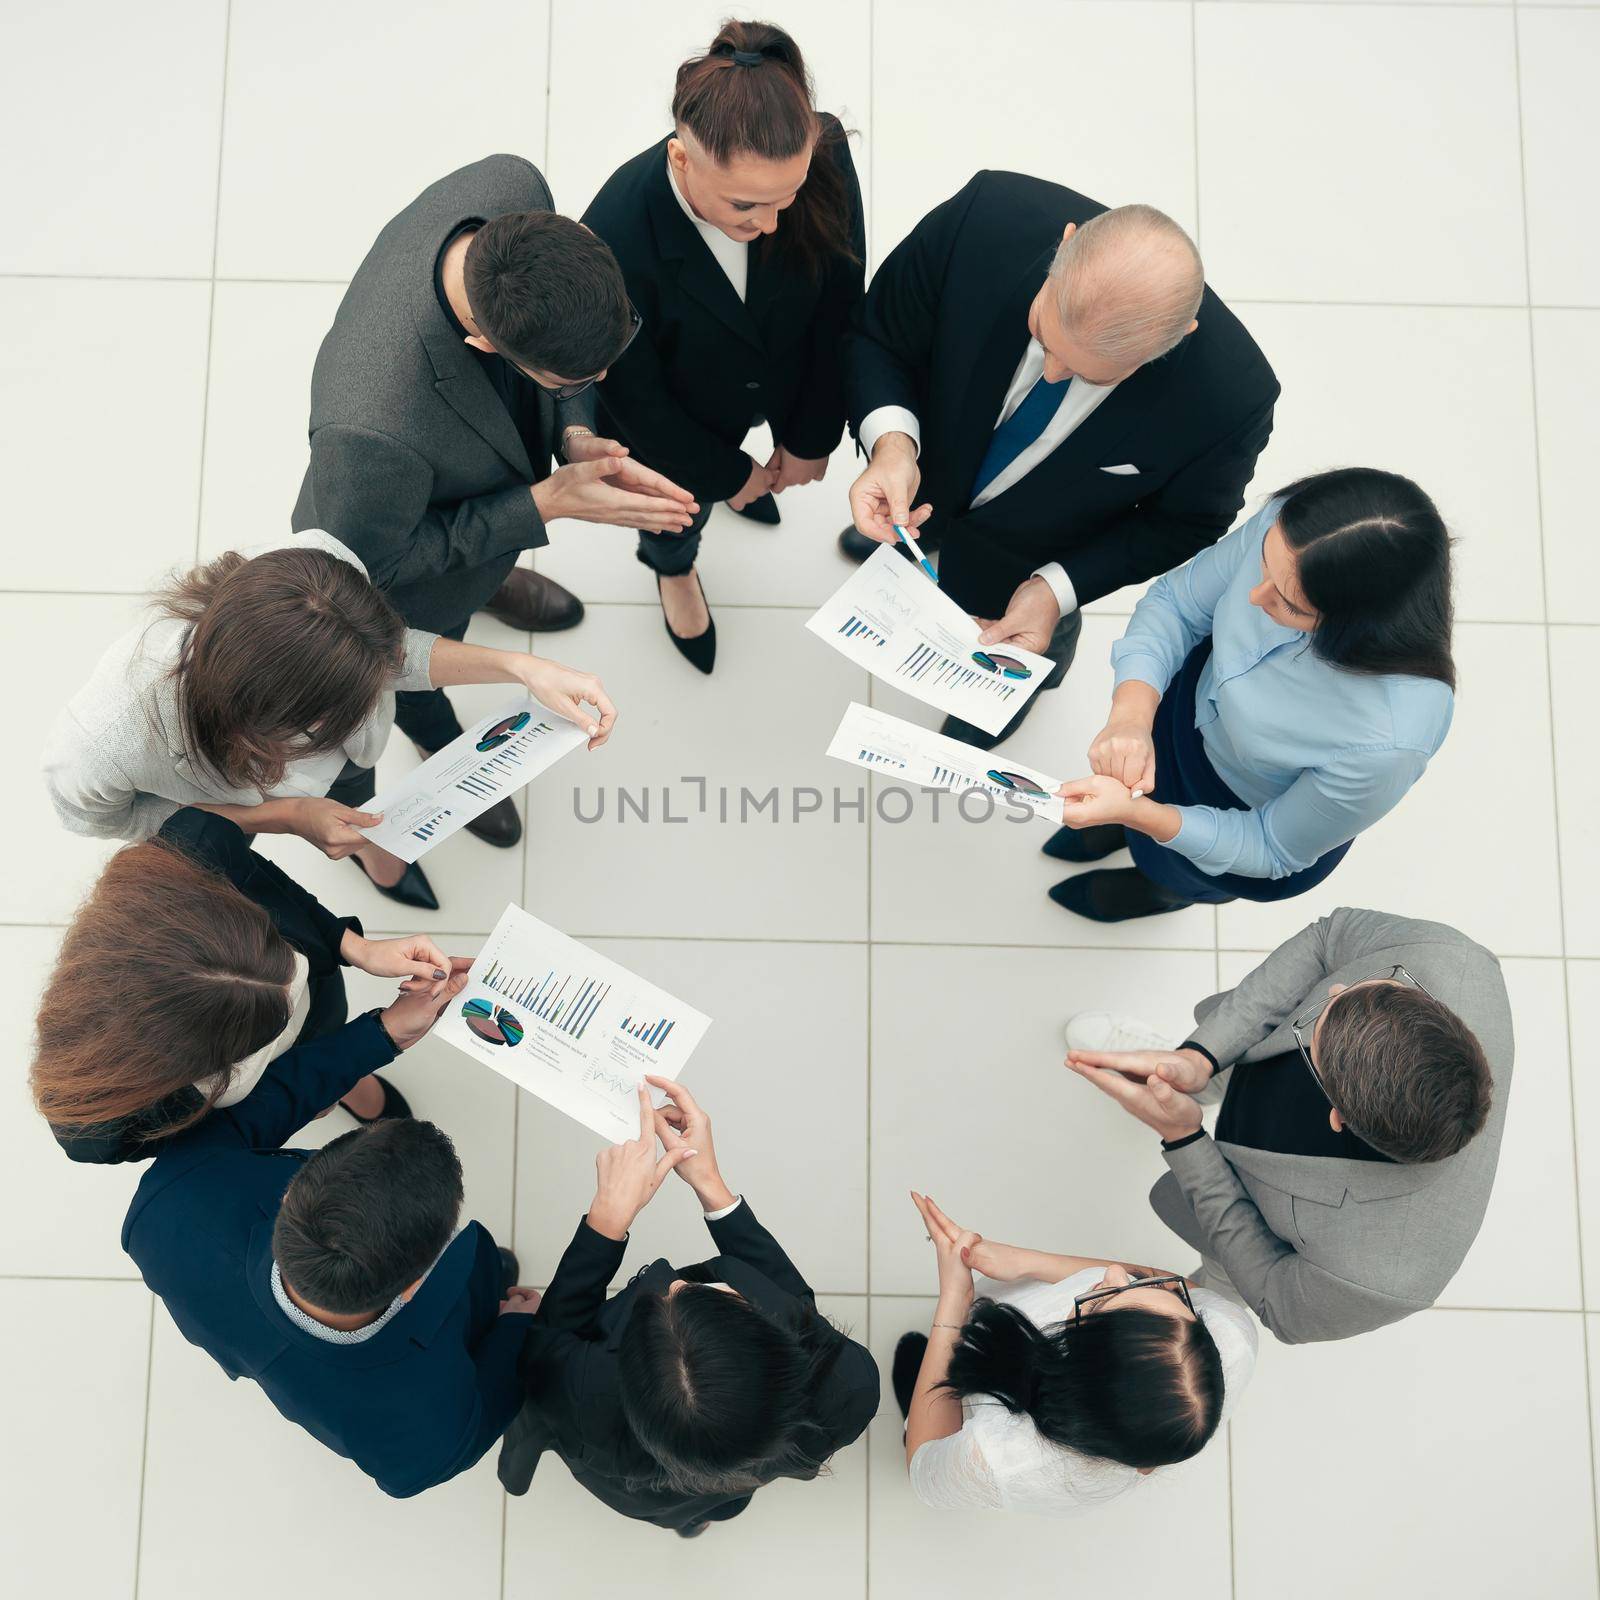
900	749
492	759
892	620
568	1025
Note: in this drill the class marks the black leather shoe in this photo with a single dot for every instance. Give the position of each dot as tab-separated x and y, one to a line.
855	546
1086	844
510	1272
693	1531
763	509
701	651
1118	895
907	1364
499	825
413	889
533	603
395	1104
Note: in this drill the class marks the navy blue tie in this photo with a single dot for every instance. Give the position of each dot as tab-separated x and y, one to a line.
1021	429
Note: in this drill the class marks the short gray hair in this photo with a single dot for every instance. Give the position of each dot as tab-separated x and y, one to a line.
1128	283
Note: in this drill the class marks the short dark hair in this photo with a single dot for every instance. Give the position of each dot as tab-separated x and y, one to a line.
721	1395
1126	1385
548	293
367	1215
1404	1070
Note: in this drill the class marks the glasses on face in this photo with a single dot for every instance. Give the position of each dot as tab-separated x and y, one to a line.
1173	1285
569	391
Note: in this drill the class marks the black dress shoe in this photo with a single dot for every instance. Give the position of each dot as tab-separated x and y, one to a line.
701	651
509	1270
856	546
533	603
413	889
1086	844
763	509
908	1356
955	728
395	1104
1117	895
500	825
693	1531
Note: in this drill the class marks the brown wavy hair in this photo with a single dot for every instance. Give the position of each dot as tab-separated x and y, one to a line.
167	976
286	656
769	111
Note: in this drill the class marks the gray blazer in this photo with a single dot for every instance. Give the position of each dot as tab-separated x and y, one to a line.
1322	1248
416	464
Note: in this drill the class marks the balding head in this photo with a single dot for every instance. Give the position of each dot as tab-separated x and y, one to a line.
1128	284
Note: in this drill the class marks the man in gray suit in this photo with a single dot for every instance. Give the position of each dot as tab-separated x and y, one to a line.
1366	1065
462	357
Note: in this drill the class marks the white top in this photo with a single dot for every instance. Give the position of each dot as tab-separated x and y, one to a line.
732	255
1001	1462
246	1074
114	760
1079	402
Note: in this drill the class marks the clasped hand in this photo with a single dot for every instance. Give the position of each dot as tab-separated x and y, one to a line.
1156	1086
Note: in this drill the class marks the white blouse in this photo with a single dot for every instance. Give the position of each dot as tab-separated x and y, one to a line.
1002	1462
732	255
244	1075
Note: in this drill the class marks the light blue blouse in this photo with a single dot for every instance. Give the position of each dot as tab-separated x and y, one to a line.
1317	752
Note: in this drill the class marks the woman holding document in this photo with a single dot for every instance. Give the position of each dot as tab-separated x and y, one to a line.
262	678
1274	697
742	243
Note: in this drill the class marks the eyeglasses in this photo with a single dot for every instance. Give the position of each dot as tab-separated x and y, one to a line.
1302	1026
570	391
1173	1285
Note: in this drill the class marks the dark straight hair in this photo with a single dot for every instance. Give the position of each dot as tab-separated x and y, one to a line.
1122	1385
1374	560
767	109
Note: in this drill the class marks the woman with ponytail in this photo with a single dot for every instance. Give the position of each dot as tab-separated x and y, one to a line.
741	239
1067	1382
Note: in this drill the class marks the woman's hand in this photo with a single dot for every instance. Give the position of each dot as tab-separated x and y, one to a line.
627	1175
410	1017
1124	750
1090	802
1004	1262
681	1122
416	958
566	691
789	471
334	829
952	1246
761	481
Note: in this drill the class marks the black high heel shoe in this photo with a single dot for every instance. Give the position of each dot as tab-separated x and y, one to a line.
413	889
701	651
763	509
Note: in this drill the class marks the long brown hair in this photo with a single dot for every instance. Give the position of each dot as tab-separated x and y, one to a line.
768	110
167	976
286	656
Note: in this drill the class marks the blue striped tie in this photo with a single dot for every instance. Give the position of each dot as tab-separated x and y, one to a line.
1021	429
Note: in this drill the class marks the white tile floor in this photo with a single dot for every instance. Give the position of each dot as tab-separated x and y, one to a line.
1398	199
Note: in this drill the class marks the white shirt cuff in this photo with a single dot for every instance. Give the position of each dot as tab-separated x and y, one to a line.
717	1216
1055	575
889	419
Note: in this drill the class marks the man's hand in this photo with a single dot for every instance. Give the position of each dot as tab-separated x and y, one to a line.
1154	1102
627	1175
520	1302
583	444
1186	1070
334	829
1030	619
411	1016
882	495
790	471
759	482
616	490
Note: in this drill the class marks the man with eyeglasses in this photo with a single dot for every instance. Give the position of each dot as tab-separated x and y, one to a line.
1362	1070
462	358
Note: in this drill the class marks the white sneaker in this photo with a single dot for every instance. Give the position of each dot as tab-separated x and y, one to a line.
1105	1030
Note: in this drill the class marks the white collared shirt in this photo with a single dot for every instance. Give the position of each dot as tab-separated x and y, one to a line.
732	255
245	1075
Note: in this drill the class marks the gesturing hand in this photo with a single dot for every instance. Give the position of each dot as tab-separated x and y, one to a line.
627	1175
681	1123
1030	618
334	829
567	691
952	1246
617	490
882	495
586	446
1124	750
1154	1102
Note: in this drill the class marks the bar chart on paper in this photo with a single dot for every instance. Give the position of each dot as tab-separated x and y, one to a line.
568	1025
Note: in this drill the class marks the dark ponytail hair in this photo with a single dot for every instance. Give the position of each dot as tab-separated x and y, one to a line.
768	109
1131	1385
721	1396
1374	560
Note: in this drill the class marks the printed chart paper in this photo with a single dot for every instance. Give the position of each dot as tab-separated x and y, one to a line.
568	1025
892	619
494	758
901	749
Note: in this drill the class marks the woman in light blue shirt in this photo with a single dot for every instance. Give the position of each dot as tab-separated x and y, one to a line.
1274	697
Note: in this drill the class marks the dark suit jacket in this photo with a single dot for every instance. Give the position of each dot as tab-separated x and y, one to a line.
416	463
223	847
705	366
941	332
574	1406
414	1405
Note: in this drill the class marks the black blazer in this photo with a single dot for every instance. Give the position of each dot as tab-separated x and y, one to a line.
941	332
705	366
570	1369
222	847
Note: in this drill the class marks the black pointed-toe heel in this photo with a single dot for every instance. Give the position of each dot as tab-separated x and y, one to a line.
1086	844
1115	895
763	509
413	889
701	651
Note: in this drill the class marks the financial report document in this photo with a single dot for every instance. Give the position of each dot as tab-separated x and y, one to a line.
566	1024
893	619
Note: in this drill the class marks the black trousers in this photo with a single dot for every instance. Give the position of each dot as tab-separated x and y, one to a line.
672	554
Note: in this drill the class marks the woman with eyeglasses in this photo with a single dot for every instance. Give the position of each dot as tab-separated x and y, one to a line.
1275	697
742	243
1067	1381
264	681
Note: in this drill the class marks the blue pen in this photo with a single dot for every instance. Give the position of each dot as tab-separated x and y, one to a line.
916	550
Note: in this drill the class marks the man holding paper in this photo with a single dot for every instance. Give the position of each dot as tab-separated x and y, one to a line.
1050	395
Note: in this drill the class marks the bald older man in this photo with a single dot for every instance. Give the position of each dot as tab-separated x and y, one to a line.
1050	394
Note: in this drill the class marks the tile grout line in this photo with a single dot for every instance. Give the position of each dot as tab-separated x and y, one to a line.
144	1446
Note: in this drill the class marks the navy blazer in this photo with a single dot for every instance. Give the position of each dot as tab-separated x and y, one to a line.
415	1404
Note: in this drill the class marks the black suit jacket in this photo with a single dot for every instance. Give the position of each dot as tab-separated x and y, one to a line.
941	332
705	366
416	462
570	1367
